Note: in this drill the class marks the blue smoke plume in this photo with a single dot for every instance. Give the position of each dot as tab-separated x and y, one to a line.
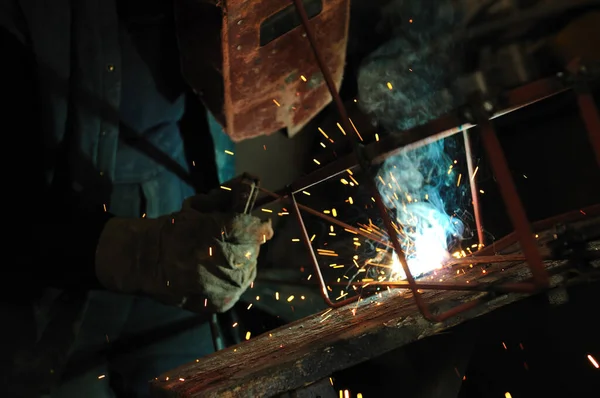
407	82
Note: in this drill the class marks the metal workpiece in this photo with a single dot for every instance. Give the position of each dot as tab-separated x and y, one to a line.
486	103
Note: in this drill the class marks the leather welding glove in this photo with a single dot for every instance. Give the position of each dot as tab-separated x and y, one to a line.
193	259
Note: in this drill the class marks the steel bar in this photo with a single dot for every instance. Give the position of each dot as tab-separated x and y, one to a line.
325	217
516	211
445	126
473	189
520	287
314	261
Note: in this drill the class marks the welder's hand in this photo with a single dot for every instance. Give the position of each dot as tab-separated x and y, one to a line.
193	259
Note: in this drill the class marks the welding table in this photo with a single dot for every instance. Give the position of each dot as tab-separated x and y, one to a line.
306	352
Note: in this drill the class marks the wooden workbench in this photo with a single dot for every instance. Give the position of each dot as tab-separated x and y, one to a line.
312	348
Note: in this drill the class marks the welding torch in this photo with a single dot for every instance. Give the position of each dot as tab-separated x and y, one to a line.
244	191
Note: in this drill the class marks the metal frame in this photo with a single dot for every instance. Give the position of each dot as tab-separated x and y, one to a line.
480	115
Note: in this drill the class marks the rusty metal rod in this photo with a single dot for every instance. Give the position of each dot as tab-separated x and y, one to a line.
516	211
473	189
517	287
314	261
442	127
332	220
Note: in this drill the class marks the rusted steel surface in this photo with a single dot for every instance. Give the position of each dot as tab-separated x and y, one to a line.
255	77
312	348
252	89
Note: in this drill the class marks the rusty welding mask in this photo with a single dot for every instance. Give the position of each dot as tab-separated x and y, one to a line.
252	65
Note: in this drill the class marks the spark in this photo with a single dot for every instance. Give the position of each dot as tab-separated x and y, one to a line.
276	103
267	210
344	181
504	345
334	212
225	188
101	377
205	302
389	85
234	325
339	126
250	306
296	240
306	193
458	182
376	137
276	295
229	152
210	251
313	237
303	78
104	205
350	200
289	299
316	161
475	173
248	334
356	131
507	395
593	361
322	132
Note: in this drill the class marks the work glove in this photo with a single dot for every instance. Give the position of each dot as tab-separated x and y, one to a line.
199	258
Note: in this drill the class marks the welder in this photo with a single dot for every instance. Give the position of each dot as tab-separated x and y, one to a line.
109	238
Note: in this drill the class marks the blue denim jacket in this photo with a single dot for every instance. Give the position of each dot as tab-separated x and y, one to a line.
87	91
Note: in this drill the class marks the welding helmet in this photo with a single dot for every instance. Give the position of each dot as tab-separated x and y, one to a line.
252	64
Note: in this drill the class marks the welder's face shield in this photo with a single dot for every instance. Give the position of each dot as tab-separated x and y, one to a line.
253	65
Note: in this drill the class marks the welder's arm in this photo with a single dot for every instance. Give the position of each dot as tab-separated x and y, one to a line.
193	259
199	258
